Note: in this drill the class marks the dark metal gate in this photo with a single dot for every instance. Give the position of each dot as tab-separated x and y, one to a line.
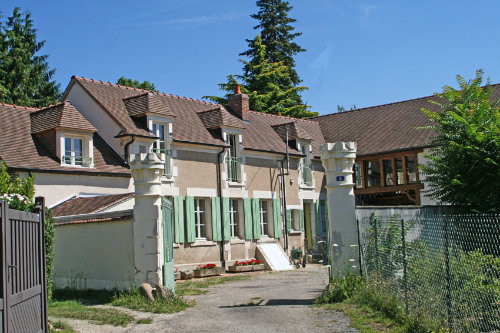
23	301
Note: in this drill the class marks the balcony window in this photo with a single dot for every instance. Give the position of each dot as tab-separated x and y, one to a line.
306	165
233	159
411	169
162	145
388	172
74	152
399	171
358	175
372	169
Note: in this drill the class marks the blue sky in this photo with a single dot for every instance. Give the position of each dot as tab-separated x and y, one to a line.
359	52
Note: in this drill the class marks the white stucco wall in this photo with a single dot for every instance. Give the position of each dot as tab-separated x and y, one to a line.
56	187
94	255
106	126
424	200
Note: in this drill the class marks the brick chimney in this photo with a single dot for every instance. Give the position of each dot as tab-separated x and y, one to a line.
239	104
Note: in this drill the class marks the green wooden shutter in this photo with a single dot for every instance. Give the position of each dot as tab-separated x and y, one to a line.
277	218
256	218
318	218
179	219
289	226
190	220
301	219
216	232
226	218
247	209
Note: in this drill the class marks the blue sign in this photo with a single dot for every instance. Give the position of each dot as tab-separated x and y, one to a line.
340	178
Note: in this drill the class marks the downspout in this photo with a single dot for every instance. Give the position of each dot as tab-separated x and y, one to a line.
125	149
219	194
283	192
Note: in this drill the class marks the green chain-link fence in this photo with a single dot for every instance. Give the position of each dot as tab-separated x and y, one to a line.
444	268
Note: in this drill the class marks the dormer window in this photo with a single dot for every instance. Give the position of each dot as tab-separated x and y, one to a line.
162	144
76	150
306	167
233	158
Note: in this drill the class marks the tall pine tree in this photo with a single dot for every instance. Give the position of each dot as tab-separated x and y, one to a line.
261	85
25	76
278	35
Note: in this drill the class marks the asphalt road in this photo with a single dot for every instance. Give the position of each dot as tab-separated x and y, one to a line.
268	302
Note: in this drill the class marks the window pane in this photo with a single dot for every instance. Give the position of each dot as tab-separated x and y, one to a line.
399	171
357	175
78	151
161	134
263	218
200	216
234	216
372	173
388	172
67	150
232	142
411	169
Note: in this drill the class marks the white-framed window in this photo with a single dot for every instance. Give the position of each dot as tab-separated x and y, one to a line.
306	167
162	144
75	151
233	158
264	218
234	215
200	215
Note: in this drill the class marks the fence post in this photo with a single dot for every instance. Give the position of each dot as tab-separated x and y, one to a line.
376	245
405	274
40	208
448	277
359	247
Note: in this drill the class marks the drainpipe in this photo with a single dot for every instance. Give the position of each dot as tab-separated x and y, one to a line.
219	194
125	149
283	192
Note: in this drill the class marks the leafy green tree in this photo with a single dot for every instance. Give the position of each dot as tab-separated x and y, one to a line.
146	85
260	84
25	76
20	194
464	168
277	34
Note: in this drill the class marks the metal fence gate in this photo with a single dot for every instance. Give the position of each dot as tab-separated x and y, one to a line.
23	302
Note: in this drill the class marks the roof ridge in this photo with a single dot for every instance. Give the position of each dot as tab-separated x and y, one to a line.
45	108
19	106
210	110
144	90
286	117
392	103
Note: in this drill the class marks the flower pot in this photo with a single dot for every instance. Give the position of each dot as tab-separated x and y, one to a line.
246	268
208	272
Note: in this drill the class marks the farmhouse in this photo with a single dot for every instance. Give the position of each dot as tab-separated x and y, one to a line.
234	177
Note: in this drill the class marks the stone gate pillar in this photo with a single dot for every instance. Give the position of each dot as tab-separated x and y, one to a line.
147	170
338	160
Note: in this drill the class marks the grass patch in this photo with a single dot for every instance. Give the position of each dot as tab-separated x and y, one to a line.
145	321
199	287
76	310
365	319
371	307
134	300
60	326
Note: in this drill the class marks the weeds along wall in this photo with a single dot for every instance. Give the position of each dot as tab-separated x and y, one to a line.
444	268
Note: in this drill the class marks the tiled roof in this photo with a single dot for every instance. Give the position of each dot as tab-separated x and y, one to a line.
19	149
88	205
146	102
384	128
260	135
195	119
63	114
219	117
94	220
295	129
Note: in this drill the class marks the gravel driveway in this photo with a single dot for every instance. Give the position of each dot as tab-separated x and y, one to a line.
268	302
